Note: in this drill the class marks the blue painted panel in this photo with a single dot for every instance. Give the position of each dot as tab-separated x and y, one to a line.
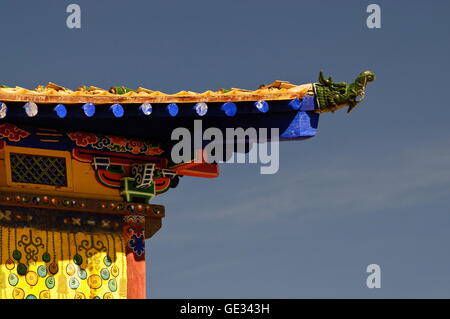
304	124
308	103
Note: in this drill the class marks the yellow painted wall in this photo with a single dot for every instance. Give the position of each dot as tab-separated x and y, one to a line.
94	277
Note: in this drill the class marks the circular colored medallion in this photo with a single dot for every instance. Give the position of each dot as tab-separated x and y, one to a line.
46	257
70	269
32	278
13	279
18	293
115	270
21	269
82	274
108	295
104	273
45	294
10	264
112	285
42	271
97	297
53	268
107	261
17	255
77	259
74	283
80	295
94	281
50	282
31	297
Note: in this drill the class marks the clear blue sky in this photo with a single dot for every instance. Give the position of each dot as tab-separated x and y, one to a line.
371	187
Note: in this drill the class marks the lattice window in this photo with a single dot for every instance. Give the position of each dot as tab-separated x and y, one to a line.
36	169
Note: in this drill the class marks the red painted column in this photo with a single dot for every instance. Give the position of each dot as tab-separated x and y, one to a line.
133	232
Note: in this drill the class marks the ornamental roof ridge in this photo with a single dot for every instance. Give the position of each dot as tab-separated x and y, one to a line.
54	93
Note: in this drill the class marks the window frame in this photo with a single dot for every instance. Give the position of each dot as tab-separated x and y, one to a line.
38	152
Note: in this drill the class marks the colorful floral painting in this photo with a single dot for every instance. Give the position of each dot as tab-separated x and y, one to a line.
12	132
137	244
83	139
135	234
114	144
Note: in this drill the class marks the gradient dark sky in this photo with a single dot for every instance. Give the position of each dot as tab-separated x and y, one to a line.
371	187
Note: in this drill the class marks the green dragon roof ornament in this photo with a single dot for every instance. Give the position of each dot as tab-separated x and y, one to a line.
335	95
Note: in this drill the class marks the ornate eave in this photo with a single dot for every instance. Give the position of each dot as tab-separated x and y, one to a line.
79	169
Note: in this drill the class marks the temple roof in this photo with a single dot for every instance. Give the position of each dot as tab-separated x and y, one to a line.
143	113
53	93
148	114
